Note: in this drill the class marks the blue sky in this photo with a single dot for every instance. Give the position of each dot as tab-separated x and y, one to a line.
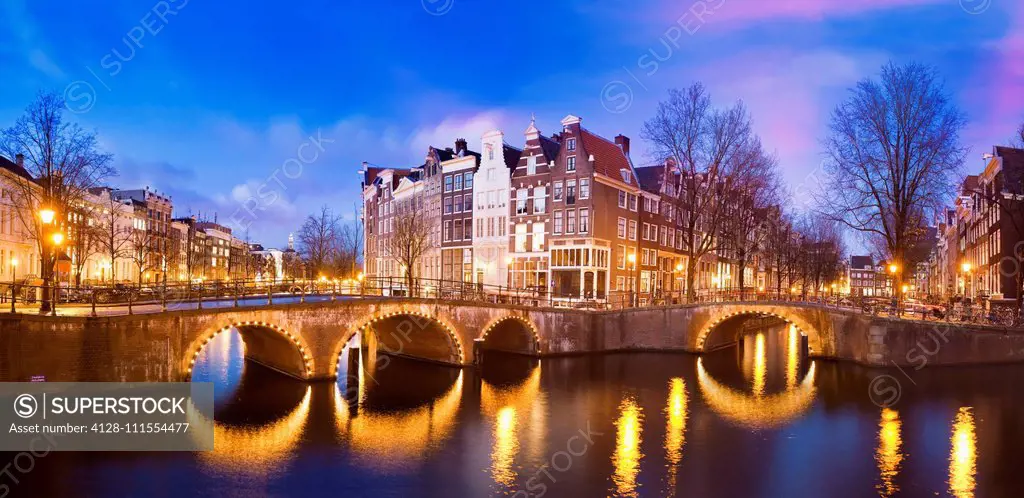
262	112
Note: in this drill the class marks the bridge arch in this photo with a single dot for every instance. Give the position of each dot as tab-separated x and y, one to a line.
736	315
438	340
510	334
265	343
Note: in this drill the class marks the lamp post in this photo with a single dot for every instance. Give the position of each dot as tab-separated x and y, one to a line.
14	282
58	239
966	267
677	281
47	217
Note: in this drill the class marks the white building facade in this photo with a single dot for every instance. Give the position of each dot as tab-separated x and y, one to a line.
490	216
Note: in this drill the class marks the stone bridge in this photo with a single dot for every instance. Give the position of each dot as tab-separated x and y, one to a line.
306	340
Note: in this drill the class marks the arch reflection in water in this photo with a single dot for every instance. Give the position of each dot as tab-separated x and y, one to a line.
757	412
792	356
963	455
675	432
627	456
760	366
402	412
518	412
254	433
889	454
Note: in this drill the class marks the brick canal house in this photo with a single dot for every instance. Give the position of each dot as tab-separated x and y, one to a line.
568	216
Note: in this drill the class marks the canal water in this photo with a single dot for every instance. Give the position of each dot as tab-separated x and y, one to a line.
749	421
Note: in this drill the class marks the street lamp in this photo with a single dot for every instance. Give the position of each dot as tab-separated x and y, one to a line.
46	215
966	267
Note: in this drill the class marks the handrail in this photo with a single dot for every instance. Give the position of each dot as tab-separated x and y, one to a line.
124	298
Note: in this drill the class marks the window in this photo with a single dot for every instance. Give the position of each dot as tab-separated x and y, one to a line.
501	226
521	195
558	191
502	198
632	202
622	199
481	200
558	222
469	229
447	205
584	220
521	237
646	233
540	197
531	165
570	192
458	203
570	221
469	180
458	230
490	226
625	176
538	237
467	202
570	144
632	230
621	258
448	183
584	188
447	231
492	198
458	182
622	228
620	283
664	235
480	227
647	205
570	163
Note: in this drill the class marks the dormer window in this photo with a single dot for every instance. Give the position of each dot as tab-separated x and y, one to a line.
626	177
570	144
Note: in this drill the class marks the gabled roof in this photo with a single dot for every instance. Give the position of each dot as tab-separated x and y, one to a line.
549	147
651	177
861	262
511	155
609	159
1013	168
14	168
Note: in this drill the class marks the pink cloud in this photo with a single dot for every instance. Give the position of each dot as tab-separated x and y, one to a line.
746	11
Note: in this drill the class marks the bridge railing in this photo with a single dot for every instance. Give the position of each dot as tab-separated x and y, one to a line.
150	297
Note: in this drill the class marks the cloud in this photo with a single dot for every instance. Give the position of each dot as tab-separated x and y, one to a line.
742	12
443	134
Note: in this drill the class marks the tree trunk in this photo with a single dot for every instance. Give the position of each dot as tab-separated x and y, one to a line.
691	277
742	266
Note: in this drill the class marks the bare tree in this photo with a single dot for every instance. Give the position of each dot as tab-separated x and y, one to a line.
143	252
85	235
710	150
318	239
891	157
1018	141
114	236
410	238
743	230
63	160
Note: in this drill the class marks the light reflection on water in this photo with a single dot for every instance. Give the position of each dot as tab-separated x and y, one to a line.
626	459
413	429
963	455
889	454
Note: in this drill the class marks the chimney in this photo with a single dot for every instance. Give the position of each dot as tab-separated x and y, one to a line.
20	159
460	146
623	142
